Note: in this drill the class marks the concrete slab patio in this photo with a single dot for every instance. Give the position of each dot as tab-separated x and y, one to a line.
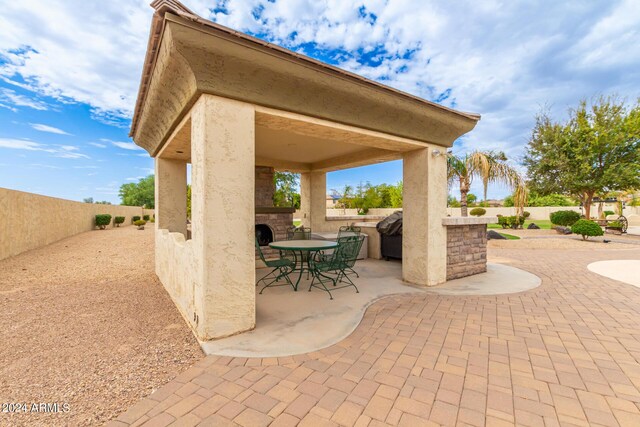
291	323
564	353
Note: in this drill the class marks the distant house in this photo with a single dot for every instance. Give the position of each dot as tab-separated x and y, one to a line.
332	201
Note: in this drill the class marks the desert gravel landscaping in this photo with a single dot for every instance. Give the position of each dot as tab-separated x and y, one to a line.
84	321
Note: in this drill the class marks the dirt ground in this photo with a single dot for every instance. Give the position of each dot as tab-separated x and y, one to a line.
85	322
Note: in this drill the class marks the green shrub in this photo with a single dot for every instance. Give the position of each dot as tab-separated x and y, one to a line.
565	218
586	229
118	220
140	223
614	224
152	220
515	221
503	221
103	220
135	218
477	211
526	214
145	217
607	213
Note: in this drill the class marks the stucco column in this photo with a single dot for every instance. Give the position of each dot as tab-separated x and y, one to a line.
171	195
318	200
223	215
305	198
424	238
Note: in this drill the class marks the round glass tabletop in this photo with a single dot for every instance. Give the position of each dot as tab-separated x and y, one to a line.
304	245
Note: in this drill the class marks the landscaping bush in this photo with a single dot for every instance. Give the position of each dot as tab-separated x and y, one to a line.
503	221
614	224
140	223
477	211
103	220
586	229
565	218
118	220
607	213
145	217
152	220
526	214
515	221
135	218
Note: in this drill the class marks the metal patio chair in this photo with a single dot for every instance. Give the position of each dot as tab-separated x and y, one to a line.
349	230
323	267
298	233
280	269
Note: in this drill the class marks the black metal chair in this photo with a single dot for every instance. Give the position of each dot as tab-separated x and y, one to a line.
280	269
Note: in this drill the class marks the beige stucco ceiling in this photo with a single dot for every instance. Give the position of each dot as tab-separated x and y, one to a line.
298	144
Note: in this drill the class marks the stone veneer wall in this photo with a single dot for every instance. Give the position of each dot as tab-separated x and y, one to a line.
279	223
466	250
265	186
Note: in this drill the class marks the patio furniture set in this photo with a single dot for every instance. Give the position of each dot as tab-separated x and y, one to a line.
326	262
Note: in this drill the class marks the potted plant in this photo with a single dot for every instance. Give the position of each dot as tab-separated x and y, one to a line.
140	223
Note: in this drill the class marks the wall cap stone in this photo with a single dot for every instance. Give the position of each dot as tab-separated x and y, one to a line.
453	221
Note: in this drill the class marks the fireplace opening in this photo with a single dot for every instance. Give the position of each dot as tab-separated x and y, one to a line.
264	234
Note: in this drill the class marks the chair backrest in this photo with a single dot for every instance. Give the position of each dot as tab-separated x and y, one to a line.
260	251
349	230
298	233
348	249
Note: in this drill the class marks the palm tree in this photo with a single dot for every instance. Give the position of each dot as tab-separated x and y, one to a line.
491	167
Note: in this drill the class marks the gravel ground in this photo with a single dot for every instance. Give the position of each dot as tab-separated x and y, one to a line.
86	322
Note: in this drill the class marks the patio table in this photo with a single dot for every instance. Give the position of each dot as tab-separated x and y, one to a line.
300	247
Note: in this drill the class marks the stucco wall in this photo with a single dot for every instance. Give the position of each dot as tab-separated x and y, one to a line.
28	221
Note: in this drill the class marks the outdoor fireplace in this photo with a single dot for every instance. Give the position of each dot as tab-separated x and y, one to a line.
264	235
271	222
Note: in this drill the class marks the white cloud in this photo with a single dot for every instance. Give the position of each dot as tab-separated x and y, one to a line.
137	178
86	167
503	60
22	144
97	144
47	128
62	151
42	166
14	99
122	144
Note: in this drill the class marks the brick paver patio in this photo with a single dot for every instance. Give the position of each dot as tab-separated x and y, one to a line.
565	353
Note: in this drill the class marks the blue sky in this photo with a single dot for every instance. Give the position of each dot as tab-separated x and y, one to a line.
69	72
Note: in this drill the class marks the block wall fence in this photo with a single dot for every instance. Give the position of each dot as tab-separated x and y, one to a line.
537	213
29	221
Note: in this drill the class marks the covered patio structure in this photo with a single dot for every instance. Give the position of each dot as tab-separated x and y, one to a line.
227	103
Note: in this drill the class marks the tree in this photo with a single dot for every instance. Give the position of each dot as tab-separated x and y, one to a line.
365	198
395	194
489	166
596	151
141	193
88	200
471	199
286	184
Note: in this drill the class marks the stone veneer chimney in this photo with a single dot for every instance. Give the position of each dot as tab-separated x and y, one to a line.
275	219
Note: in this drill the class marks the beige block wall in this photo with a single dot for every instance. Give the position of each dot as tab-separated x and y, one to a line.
537	213
29	221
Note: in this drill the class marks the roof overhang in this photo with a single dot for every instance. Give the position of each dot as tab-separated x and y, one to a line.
188	56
